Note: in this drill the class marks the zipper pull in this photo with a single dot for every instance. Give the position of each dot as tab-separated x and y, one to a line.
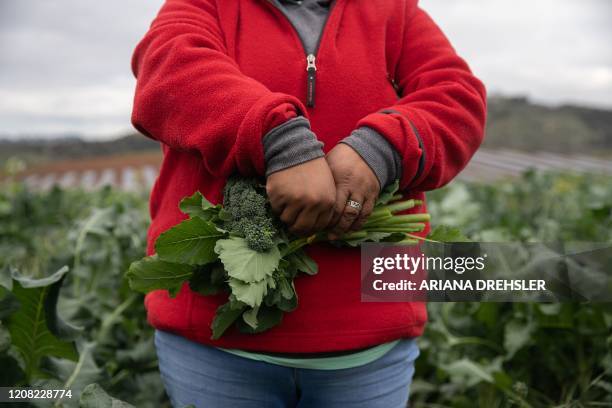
311	68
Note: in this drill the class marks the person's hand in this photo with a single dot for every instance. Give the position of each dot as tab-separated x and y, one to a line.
355	181
303	196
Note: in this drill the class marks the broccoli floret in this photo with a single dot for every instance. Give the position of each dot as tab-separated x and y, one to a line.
251	216
259	233
234	190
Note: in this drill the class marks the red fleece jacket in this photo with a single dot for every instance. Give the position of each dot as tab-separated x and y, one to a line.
215	76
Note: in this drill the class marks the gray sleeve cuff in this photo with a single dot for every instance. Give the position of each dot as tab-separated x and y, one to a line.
290	144
378	153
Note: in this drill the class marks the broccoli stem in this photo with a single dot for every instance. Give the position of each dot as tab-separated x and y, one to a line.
380	212
296	244
392	208
374	218
382	219
396	229
354	235
391	225
416	237
399	219
407	241
402	205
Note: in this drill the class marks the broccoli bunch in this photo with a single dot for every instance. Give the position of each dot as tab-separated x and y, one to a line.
250	214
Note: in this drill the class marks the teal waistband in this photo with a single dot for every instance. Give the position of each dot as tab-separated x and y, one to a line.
321	363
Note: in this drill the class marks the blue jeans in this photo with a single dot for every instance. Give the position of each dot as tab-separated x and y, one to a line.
197	374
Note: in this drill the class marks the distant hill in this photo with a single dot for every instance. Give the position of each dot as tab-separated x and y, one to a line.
45	150
513	123
516	123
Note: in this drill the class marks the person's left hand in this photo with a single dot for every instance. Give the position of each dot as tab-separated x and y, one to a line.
355	181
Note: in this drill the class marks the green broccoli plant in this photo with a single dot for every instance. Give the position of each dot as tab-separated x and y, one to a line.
242	249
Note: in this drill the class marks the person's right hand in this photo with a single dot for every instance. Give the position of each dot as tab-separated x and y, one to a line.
303	196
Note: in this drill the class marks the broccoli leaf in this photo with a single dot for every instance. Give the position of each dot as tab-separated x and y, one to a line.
12	363
370	237
442	233
267	317
191	242
192	205
286	289
288	305
226	315
244	263
208	280
287	301
34	326
152	273
8	303
94	396
250	293
303	262
250	317
388	193
198	206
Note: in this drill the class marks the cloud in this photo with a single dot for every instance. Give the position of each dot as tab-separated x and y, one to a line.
100	110
64	65
556	51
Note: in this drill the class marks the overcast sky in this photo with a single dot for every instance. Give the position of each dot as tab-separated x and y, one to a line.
64	64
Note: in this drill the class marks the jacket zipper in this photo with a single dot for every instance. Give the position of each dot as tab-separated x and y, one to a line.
311	59
311	80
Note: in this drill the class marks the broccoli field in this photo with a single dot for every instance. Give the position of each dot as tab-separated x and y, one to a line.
64	254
